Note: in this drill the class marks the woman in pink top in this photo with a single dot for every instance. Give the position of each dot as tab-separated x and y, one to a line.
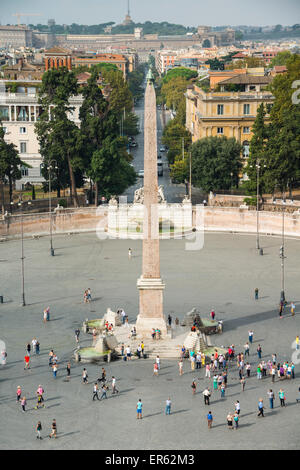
23	404
19	393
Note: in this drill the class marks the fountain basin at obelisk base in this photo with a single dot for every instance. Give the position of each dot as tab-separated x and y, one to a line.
104	348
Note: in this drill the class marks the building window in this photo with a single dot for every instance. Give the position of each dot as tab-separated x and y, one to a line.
246	108
24	171
23	147
246	130
220	130
220	109
23	130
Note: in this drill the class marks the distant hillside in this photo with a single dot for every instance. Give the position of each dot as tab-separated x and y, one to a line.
162	29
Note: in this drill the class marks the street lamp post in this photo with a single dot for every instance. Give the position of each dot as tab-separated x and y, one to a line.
282	293
257	205
49	168
258	166
22	253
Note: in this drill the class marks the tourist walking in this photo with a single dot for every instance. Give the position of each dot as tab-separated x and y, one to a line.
155	369
168	406
194	386
237	407
297	342
38	429
213	314
113	385
236	420
229	421
23	404
95	391
259	351
209	419
246	349
281	397
250	336
53	429
128	353
293	306
77	333
139	408
243	383
271	398
50	355
19	393
84	376
206	394
261	408
54	370
68	370
180	366
104	390
256	293
129	253
26	361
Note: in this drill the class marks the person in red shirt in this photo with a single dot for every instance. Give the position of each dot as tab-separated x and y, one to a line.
26	361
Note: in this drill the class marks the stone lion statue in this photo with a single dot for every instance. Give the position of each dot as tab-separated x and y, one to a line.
139	195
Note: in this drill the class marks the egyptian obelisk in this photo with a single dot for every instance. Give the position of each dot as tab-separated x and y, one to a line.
150	284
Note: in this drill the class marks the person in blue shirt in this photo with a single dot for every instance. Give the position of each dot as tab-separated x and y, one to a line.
209	420
139	407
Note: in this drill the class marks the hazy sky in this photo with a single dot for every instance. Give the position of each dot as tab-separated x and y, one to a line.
187	12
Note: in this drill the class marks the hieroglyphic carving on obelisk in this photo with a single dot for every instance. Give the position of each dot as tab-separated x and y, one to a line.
150	284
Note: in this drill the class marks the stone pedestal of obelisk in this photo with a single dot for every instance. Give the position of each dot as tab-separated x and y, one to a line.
150	284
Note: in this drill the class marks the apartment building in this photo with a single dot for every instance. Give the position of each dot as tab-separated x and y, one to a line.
225	113
19	112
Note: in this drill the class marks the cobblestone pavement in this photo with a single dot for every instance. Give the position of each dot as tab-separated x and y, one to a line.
223	275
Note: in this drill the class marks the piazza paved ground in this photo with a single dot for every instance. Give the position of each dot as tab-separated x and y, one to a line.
223	275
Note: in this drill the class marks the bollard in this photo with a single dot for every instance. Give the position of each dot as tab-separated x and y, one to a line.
52	251
1	299
261	251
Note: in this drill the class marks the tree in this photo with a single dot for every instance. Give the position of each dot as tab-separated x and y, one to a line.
215	64
131	124
216	163
120	96
284	131
258	155
179	170
206	43
105	156
10	164
186	74
59	137
175	134
281	58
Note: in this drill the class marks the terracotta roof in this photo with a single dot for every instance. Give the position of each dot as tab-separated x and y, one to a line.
57	50
244	79
239	55
280	68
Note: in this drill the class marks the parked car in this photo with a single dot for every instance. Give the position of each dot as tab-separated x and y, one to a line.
162	148
160	170
141	173
159	157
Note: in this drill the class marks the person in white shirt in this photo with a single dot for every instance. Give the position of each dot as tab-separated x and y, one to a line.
157	360
128	353
113	385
